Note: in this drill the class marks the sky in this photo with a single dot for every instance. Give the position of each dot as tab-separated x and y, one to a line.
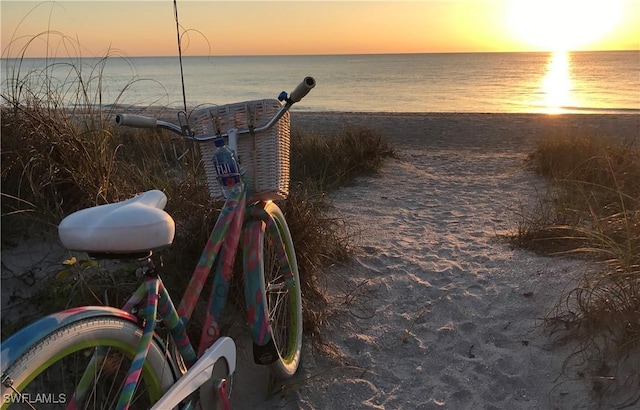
148	28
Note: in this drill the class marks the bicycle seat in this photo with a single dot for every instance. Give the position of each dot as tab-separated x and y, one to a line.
128	228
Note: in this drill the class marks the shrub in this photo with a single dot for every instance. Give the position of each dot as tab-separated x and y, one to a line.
592	208
326	162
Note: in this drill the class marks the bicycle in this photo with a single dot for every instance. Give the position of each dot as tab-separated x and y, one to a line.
140	356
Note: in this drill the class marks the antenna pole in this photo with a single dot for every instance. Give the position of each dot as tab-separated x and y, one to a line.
184	95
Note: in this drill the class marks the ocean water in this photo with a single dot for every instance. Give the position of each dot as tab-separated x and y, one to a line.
577	82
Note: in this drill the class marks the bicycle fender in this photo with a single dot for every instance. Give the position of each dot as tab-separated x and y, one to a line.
21	341
264	348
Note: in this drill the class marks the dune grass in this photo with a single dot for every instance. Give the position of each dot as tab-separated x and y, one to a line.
591	209
57	160
327	162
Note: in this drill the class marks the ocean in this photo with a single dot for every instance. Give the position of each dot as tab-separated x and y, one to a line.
576	82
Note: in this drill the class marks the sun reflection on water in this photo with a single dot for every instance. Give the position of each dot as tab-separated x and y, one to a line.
557	84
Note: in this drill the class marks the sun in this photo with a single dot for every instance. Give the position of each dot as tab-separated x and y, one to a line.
562	25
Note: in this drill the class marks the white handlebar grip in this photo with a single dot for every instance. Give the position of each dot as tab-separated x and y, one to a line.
136	121
302	89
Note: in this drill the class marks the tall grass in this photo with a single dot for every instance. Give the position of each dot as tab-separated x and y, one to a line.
327	162
58	158
59	140
592	209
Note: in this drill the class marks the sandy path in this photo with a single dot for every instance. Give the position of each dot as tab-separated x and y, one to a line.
452	310
447	314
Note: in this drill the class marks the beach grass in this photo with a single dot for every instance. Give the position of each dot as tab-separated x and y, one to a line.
328	161
591	209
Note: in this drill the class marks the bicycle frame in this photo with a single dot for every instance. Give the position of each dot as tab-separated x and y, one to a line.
222	247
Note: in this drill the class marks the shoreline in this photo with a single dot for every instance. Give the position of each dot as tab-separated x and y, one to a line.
627	125
499	132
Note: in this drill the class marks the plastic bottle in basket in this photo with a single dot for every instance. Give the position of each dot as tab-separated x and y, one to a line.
226	167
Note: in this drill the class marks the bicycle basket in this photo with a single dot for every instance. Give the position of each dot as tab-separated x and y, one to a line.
263	156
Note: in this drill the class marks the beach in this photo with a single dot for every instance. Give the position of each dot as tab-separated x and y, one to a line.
437	310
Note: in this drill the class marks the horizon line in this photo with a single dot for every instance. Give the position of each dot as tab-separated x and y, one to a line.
115	54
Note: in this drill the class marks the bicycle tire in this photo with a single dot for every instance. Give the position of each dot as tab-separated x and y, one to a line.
284	309
48	372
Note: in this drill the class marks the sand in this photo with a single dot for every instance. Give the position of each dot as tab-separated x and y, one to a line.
436	311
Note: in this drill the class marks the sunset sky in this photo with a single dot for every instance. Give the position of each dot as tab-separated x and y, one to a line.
147	28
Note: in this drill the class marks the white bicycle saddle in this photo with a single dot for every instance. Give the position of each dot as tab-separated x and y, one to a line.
133	226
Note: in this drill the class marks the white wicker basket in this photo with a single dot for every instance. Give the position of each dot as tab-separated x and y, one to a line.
263	156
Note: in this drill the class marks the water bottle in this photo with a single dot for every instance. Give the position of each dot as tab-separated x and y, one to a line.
227	169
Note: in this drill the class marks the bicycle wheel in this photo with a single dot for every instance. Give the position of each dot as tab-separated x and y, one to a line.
283	299
47	375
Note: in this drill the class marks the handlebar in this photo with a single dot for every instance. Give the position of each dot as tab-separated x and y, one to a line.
139	121
302	89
